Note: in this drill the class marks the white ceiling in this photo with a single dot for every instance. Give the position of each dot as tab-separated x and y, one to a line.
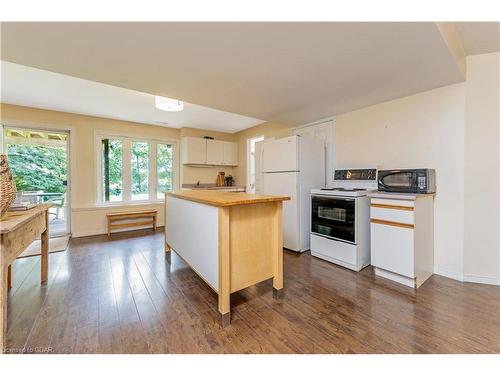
37	88
479	37
292	73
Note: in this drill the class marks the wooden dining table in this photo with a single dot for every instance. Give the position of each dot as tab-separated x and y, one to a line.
18	229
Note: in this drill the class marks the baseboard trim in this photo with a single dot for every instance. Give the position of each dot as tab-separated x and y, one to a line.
98	233
482	279
404	280
449	274
490	280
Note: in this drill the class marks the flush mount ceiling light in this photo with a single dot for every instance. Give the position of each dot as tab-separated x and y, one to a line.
167	104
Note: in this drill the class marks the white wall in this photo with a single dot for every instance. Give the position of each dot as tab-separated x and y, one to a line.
419	131
455	130
482	169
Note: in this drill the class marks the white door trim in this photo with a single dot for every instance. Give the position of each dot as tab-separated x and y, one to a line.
69	160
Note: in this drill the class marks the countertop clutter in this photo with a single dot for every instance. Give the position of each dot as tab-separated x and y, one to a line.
212	186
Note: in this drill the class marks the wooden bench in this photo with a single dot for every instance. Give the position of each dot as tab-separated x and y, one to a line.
149	215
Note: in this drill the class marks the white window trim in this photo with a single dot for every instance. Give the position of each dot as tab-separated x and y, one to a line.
248	151
126	164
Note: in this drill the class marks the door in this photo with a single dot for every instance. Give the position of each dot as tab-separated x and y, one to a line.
286	184
392	248
334	217
281	155
215	152
254	165
194	150
39	163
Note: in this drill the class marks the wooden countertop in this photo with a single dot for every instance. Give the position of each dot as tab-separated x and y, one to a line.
13	219
225	199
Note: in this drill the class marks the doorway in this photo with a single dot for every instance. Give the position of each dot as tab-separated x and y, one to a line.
252	164
39	160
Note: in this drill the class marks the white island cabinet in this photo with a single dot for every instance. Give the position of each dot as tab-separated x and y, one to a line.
231	240
402	236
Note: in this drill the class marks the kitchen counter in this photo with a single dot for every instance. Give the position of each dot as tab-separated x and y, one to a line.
402	196
225	199
231	240
213	187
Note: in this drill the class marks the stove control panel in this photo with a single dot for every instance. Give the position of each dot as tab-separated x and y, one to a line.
355	175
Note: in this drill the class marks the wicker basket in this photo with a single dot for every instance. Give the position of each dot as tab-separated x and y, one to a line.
7	186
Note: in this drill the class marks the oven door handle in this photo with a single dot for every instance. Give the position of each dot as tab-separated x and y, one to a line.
331	197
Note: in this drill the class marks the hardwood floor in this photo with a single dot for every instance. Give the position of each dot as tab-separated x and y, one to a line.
121	295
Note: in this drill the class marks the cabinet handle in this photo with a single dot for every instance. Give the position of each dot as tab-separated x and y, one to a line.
392	207
392	223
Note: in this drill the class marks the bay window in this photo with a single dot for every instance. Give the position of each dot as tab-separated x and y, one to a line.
134	170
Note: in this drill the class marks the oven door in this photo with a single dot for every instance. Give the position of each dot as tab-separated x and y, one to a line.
334	217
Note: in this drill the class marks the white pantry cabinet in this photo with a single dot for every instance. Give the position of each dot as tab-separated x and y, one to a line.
200	151
402	236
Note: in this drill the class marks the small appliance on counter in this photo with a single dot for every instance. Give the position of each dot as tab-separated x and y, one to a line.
420	181
340	218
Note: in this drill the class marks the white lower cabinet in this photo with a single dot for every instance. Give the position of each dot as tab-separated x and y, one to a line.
392	249
402	237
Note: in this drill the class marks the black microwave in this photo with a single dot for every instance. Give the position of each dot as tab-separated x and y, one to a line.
421	181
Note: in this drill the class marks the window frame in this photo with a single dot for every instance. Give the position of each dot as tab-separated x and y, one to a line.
261	138
126	168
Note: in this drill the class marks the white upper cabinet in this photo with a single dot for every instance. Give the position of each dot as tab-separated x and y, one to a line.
202	151
230	153
215	152
194	150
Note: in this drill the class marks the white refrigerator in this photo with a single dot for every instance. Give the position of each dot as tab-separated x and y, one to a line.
293	166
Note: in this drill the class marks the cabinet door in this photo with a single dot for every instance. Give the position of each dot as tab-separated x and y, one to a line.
230	153
215	152
194	150
392	249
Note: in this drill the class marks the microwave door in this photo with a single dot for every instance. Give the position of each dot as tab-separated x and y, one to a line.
396	181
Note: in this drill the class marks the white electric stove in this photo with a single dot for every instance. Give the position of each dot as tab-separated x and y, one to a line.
340	218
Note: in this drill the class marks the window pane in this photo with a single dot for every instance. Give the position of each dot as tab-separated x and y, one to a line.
164	170
112	163
139	154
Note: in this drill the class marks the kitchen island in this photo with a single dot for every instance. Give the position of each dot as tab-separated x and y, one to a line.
231	240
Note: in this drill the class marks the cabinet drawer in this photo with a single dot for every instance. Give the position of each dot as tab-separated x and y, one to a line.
403	216
392	248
